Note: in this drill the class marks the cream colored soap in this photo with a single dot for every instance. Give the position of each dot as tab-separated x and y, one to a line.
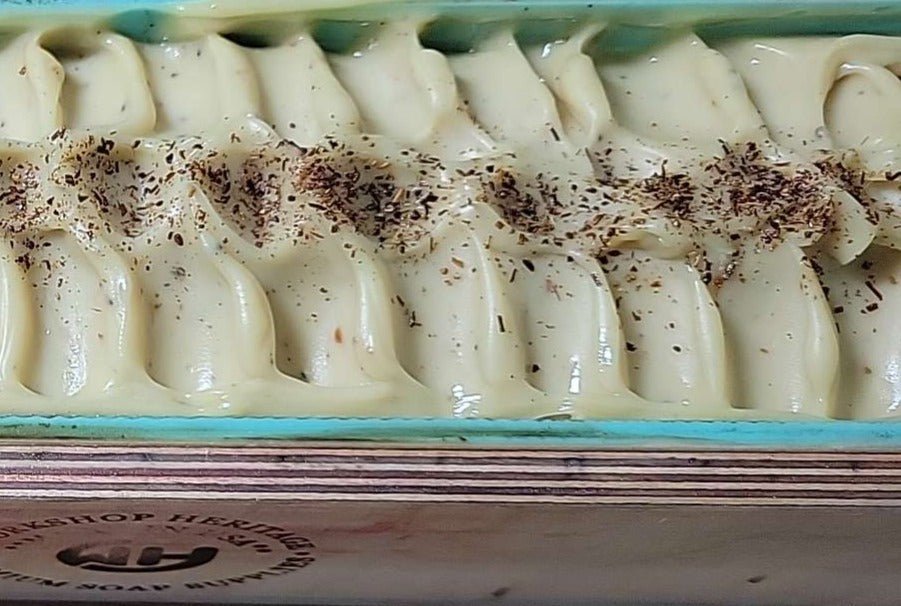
522	230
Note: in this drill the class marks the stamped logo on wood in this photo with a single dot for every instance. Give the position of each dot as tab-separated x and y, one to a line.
146	551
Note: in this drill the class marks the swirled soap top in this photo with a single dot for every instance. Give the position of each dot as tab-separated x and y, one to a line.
236	220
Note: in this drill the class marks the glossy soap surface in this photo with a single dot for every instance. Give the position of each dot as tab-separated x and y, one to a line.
237	221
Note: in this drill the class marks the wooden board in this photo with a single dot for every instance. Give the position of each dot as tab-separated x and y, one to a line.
297	472
325	524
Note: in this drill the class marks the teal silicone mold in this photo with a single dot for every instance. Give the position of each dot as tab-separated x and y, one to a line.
635	23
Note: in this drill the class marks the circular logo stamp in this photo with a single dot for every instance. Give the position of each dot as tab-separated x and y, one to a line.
148	551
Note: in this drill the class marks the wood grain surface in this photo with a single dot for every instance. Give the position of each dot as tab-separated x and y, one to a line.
304	472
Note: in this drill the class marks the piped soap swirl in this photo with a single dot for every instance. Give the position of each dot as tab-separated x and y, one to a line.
197	227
